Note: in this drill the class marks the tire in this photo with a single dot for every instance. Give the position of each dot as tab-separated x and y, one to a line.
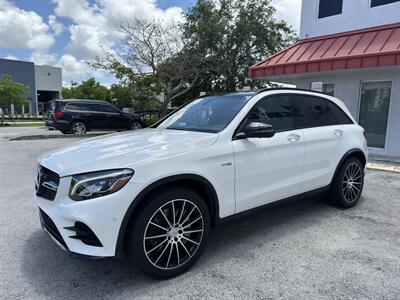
348	184
174	251
78	127
136	125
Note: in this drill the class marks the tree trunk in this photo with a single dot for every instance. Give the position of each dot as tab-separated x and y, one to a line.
165	106
2	116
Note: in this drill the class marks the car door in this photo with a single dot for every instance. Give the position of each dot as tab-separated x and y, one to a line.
114	117
269	169
324	131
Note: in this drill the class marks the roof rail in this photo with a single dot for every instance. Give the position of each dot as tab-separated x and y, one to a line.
289	88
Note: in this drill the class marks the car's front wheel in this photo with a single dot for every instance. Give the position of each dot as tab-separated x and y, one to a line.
168	233
348	184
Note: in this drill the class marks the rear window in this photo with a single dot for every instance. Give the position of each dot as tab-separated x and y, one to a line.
54	106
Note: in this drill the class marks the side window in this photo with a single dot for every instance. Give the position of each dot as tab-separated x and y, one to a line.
106	108
77	106
340	116
310	111
273	110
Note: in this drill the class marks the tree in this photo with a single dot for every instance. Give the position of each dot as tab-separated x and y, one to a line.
233	35
88	89
156	55
11	93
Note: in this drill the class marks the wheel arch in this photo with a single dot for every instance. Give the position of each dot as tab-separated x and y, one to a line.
196	182
79	119
357	153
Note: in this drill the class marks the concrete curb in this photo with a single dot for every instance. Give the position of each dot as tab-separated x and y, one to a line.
383	167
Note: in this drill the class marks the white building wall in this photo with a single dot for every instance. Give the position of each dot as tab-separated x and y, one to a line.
347	88
48	78
356	14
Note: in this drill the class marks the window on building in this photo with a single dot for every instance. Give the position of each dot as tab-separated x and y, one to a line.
374	111
382	2
328	8
327	88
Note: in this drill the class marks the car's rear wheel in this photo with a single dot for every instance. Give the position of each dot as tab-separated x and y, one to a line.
168	233
348	184
78	127
136	125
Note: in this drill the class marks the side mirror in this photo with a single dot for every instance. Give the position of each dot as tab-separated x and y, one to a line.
256	130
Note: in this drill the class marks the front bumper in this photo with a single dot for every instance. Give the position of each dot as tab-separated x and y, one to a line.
102	215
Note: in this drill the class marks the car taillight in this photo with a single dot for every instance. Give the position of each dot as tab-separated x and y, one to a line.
365	134
58	115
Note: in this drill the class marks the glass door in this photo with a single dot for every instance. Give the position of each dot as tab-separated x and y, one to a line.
374	111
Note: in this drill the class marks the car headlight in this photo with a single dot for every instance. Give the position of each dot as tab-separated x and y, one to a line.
97	184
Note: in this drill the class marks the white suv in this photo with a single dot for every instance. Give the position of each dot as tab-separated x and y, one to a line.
157	192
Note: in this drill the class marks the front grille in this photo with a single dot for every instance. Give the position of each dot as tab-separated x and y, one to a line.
46	183
51	227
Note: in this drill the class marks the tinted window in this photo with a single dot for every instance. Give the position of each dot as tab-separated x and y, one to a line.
382	2
314	112
273	110
105	108
339	115
77	106
328	8
209	114
309	111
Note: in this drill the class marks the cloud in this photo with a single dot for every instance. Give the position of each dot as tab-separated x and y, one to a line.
43	58
23	29
94	25
11	57
289	11
55	26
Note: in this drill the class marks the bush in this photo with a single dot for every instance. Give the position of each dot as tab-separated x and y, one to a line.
150	120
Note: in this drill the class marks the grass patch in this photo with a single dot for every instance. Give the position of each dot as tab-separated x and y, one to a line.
25	124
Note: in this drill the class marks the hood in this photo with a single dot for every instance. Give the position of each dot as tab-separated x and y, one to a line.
123	150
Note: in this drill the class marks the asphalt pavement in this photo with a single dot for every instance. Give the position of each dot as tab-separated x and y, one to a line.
304	249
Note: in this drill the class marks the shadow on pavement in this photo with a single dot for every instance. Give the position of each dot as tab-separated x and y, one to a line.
51	273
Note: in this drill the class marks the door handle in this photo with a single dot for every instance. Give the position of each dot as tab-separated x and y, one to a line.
293	137
338	132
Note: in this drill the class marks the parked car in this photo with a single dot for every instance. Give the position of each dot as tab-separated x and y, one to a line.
157	192
78	116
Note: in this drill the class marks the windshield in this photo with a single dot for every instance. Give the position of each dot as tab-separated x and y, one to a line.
209	114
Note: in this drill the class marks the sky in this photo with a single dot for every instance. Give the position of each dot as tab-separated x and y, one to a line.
68	33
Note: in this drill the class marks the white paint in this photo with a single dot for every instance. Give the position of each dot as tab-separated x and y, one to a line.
244	173
48	78
347	88
356	14
316	86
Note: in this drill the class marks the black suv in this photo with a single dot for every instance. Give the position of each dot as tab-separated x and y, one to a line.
78	116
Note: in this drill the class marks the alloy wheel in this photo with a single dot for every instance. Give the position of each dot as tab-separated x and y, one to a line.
78	128
173	234
136	126
352	182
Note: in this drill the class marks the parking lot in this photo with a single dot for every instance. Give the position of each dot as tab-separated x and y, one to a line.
304	249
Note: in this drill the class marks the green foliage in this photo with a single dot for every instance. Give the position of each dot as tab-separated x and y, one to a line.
151	120
88	89
211	51
12	92
233	35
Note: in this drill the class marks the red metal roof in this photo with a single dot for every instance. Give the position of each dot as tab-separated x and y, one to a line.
364	48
